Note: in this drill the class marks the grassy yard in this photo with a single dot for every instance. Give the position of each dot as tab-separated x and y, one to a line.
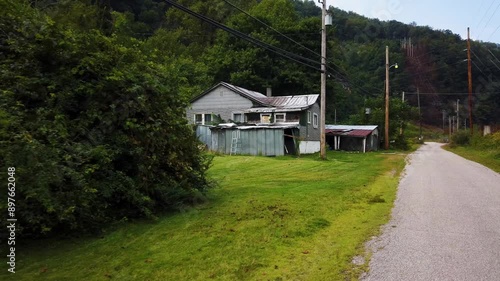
270	219
487	157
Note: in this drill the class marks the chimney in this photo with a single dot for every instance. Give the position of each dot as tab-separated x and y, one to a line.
269	92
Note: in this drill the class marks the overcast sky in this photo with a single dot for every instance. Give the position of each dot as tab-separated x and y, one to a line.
482	16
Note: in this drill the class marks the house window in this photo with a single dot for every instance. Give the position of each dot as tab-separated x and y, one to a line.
265	118
279	117
237	117
203	118
208	118
198	119
315	120
309	118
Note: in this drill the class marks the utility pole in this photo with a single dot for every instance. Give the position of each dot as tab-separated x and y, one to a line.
458	109
449	128
386	135
469	67
419	114
323	82
443	120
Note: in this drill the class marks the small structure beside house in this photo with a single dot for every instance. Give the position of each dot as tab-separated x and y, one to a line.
254	123
352	137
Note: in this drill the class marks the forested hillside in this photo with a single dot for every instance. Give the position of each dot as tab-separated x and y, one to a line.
94	92
432	62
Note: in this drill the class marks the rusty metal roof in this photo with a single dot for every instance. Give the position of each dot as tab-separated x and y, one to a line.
351	133
302	101
356	131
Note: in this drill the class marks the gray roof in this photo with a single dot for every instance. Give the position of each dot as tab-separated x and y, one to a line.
251	95
245	92
269	104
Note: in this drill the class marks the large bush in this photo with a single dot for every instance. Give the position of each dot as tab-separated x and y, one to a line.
94	127
461	138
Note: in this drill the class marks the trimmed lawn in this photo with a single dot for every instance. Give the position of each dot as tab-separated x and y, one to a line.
278	218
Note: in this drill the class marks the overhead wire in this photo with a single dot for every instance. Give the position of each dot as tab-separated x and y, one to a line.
485	14
281	52
343	79
272	28
495	31
292	40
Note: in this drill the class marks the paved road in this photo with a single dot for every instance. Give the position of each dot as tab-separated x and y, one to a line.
445	224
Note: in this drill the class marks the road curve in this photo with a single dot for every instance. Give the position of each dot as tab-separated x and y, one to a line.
445	223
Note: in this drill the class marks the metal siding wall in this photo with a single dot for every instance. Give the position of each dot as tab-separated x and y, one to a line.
244	141
215	140
260	142
279	142
268	142
269	138
227	141
204	134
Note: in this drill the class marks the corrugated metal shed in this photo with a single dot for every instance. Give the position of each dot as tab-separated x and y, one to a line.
251	140
352	137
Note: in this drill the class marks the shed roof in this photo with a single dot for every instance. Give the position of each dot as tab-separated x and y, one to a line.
350	133
255	127
351	127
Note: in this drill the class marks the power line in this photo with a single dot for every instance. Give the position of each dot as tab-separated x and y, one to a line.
493	55
272	28
294	41
496	9
241	35
485	14
496	29
494	63
477	57
478	68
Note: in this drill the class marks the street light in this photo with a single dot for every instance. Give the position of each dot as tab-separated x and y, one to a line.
387	67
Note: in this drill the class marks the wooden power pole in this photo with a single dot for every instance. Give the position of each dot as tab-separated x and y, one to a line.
386	135
469	67
323	83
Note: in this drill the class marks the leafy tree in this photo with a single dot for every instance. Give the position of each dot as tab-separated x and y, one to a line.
93	124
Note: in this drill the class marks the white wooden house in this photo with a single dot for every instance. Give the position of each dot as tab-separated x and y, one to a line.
232	104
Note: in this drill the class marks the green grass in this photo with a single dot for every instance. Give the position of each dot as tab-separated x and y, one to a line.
270	219
482	149
487	157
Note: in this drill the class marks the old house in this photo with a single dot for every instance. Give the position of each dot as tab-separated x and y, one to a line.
280	124
352	138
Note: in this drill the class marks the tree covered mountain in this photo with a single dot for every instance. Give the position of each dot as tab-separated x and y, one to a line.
356	53
432	62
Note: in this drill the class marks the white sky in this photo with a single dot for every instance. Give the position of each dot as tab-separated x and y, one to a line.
482	16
